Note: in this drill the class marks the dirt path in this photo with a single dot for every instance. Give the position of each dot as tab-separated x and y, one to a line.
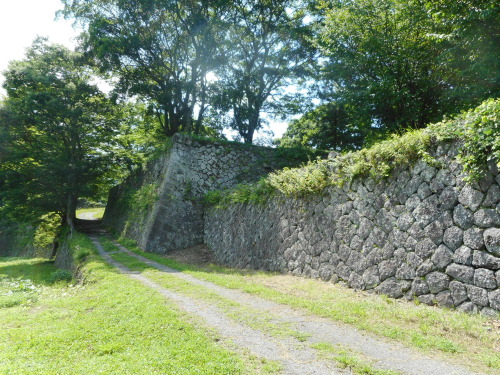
295	357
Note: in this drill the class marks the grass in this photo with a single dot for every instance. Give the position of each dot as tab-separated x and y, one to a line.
97	212
350	359
111	324
468	339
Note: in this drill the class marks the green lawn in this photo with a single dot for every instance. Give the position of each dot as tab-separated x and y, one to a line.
110	324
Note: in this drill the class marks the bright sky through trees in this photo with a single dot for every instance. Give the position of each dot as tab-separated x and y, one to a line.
22	20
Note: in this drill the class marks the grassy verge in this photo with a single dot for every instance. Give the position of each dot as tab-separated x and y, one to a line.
468	339
254	318
97	212
111	324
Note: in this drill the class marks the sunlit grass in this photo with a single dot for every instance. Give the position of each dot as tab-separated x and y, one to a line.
96	213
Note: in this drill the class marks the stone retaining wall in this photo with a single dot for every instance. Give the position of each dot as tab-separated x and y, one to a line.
423	233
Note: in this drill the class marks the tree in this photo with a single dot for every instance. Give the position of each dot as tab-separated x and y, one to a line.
326	127
160	50
58	129
266	46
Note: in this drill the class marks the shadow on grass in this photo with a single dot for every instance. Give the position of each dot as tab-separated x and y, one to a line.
39	271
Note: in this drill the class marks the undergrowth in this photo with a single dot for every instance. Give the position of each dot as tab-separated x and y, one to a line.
478	130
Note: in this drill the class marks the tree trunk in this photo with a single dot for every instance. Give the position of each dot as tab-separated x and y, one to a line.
71	211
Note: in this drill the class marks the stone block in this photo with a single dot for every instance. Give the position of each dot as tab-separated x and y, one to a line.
442	257
491	239
425	248
461	273
470	197
391	288
486	218
477	295
428	299
458	292
453	237
473	238
485	260
485	278
387	269
468	307
463	255
419	286
463	217
448	198
444	299
437	281
425	268
494	299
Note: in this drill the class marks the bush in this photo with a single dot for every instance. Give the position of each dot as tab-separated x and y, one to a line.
60	275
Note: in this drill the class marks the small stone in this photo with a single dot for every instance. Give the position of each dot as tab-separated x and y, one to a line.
461	273
405	272
492	197
485	278
444	299
405	221
435	232
391	288
371	277
424	190
426	267
494	298
470	197
442	257
491	238
428	299
437	282
486	218
427	211
477	295
448	198
458	292
419	287
463	255
485	260
424	249
473	238
453	237
490	313
463	217
468	307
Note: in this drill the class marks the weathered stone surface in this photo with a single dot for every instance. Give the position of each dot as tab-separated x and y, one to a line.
490	313
371	277
485	278
428	299
427	211
463	217
494	299
442	257
425	268
437	281
444	299
463	255
448	198
425	248
468	307
419	287
458	292
491	238
483	259
492	197
461	273
486	218
391	288
470	197
435	232
473	238
405	272
453	237
477	295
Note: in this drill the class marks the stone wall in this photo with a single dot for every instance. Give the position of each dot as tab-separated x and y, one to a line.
181	177
422	233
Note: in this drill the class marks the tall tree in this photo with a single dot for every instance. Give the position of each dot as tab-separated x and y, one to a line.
58	131
161	50
266	47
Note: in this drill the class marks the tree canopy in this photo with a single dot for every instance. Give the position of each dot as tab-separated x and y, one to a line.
57	127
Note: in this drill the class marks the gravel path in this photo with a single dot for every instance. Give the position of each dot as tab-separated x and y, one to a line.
295	357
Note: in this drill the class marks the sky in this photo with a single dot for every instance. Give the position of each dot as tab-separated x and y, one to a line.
21	21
